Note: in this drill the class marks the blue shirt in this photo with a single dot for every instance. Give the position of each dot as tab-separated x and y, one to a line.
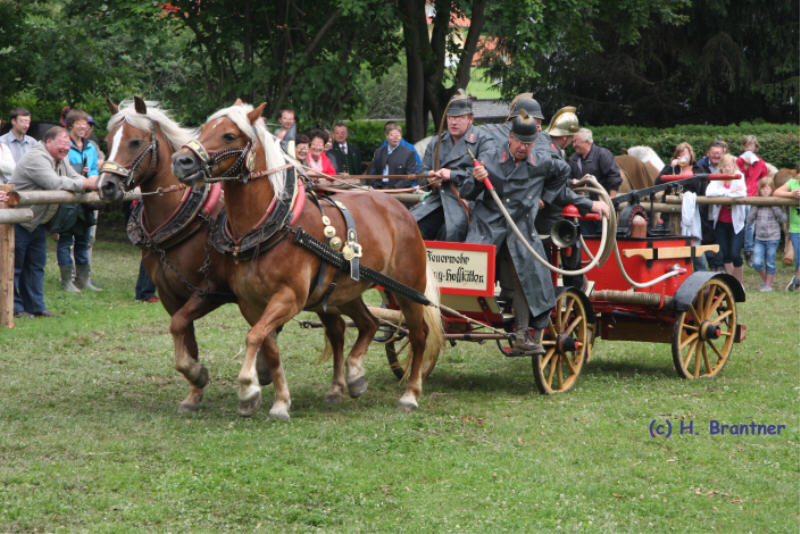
18	148
87	157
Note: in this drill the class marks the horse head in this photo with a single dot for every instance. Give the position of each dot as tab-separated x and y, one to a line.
140	139
228	138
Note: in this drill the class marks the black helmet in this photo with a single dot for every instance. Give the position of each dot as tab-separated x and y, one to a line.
525	101
460	104
524	128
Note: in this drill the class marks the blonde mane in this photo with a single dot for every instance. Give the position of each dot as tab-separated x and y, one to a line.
176	135
258	134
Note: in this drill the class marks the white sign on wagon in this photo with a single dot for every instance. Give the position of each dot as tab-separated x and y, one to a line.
462	268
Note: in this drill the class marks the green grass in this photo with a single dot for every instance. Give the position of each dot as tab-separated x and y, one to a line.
90	439
481	88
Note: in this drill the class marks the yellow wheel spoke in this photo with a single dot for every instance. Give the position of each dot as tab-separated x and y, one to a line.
571	328
714	304
571	365
546	358
694	312
705	357
688	340
697	363
551	374
721	317
559	373
548	343
689	355
691	327
721	357
710	298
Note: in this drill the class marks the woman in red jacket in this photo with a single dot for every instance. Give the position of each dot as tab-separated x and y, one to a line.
317	159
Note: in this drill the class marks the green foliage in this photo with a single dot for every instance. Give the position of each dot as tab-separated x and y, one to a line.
780	143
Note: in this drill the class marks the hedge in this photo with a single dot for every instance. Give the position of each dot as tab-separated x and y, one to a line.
780	143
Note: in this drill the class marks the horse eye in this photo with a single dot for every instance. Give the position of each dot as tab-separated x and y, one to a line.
135	143
229	137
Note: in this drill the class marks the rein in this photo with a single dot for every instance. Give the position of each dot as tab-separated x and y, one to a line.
128	174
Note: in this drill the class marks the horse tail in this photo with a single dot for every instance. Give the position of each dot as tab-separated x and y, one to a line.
434	342
327	351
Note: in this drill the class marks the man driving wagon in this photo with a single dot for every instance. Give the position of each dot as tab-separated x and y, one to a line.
521	182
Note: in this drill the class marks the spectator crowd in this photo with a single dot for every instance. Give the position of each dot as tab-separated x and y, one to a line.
526	161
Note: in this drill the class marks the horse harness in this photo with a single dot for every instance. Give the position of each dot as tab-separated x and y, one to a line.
278	222
128	174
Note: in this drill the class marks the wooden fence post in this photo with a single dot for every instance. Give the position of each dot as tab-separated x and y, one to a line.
6	268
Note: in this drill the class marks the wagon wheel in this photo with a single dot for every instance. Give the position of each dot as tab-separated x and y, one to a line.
703	335
566	341
397	352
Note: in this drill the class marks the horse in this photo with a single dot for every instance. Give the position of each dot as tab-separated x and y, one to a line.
635	173
172	226
277	281
645	154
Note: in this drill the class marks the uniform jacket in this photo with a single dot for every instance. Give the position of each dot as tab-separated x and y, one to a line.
519	186
350	162
601	163
551	212
38	171
458	160
400	161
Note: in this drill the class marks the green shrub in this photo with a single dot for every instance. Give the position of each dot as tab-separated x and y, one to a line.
780	143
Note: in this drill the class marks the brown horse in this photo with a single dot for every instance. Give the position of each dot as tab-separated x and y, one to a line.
278	280
171	226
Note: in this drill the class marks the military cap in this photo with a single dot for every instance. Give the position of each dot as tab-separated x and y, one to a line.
460	104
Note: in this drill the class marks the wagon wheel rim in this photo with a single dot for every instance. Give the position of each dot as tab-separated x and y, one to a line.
566	343
703	335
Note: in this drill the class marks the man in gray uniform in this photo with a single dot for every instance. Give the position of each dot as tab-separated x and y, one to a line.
553	141
443	214
521	182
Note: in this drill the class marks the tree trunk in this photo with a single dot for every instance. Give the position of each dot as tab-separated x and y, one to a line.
415	35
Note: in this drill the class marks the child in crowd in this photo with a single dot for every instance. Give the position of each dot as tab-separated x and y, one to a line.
729	220
791	189
767	223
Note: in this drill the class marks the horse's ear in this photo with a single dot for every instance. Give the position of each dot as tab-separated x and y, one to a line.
238	102
139	105
256	113
112	107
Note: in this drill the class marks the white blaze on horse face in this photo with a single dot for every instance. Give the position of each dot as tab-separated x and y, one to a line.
115	142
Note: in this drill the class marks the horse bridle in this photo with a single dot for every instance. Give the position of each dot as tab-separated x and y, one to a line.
209	159
128	174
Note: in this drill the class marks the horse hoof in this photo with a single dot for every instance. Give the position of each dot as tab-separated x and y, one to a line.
407	403
357	387
188	407
333	397
279	414
249	407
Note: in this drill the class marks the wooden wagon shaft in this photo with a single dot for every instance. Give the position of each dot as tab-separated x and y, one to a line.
395	316
668	253
30	198
14	216
630	297
725	201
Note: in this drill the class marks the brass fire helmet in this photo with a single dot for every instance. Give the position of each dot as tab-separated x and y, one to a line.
564	122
